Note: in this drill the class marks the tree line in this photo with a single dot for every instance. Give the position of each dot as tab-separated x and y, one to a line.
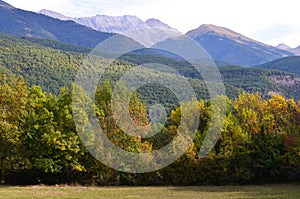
259	142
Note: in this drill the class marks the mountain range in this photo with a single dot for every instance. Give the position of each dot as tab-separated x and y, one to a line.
52	65
222	44
48	54
29	24
111	24
146	32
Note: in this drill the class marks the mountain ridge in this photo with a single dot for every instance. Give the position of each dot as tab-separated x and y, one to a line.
206	28
55	15
111	24
24	23
226	45
222	44
6	5
61	70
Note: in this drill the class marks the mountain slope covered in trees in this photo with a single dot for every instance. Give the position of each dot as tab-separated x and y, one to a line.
39	142
287	64
267	82
44	63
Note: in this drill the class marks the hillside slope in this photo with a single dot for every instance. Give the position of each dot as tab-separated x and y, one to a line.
228	46
40	64
24	23
287	64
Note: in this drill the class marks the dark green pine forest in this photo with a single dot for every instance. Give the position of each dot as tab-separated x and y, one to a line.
259	142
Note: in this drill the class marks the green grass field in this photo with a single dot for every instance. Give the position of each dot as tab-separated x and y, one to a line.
62	192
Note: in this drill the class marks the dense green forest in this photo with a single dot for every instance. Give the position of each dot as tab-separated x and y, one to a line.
38	65
287	64
39	143
264	81
52	65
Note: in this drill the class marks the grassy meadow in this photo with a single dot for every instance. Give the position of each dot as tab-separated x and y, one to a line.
64	192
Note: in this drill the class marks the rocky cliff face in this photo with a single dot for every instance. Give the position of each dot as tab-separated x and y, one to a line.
111	24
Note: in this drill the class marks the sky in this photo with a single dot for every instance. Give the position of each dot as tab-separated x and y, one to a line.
268	21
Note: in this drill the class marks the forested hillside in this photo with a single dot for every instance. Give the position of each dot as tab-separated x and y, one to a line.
259	142
39	142
267	82
71	113
287	64
38	65
52	65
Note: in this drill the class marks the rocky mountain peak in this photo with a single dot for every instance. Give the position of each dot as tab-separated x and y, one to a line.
283	46
156	23
209	28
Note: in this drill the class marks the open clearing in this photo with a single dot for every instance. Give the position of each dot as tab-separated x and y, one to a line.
62	192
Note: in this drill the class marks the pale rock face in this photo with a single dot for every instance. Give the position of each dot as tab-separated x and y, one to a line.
111	24
295	51
283	47
146	33
155	23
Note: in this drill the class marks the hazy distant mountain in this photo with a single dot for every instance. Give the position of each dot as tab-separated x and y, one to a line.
23	23
295	51
146	33
228	46
55	15
29	24
283	46
111	24
155	23
222	44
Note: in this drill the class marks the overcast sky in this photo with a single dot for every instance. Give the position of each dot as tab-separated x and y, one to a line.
271	22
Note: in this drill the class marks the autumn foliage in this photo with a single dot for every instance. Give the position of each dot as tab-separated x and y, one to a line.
259	142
